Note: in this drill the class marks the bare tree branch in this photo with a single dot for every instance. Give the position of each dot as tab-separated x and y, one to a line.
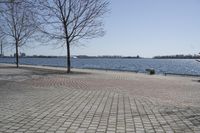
72	20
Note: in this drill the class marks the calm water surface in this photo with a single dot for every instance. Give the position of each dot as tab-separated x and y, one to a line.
179	66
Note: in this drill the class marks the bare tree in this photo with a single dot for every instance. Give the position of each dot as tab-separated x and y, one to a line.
71	21
18	23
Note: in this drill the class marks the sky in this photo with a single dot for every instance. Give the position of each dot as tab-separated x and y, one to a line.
141	27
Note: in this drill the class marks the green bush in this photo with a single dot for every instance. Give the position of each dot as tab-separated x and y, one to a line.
150	71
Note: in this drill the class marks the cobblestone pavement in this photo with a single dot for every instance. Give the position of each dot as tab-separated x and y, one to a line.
76	103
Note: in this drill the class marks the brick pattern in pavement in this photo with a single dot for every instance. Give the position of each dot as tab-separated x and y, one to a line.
67	105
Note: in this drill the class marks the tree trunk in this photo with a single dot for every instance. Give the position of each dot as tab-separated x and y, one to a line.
17	55
68	57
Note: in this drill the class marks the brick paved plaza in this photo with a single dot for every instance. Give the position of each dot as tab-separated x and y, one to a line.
35	100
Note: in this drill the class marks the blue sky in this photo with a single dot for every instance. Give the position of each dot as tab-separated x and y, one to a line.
142	27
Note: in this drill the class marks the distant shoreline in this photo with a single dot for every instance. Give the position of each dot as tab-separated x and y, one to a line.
96	57
76	57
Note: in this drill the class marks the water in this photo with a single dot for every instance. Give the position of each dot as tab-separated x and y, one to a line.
178	66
